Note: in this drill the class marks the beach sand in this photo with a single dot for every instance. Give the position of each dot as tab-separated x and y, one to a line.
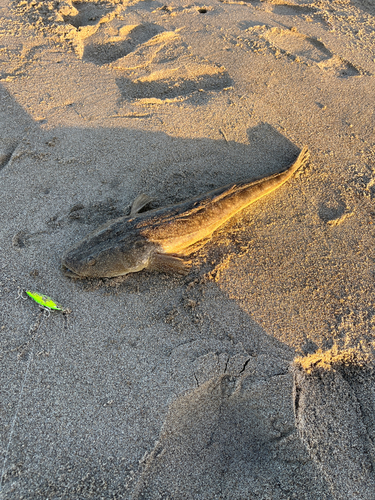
252	377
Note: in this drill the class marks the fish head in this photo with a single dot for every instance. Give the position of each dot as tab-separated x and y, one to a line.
111	250
80	262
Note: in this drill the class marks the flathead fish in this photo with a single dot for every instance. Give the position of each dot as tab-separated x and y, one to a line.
161	239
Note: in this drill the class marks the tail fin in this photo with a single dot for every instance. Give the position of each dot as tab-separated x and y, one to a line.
260	188
301	160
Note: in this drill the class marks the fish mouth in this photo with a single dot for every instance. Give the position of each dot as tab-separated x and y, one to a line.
69	273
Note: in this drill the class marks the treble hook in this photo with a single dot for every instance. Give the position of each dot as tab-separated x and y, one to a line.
47	312
19	294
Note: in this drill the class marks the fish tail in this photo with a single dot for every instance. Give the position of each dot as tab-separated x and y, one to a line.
301	160
254	191
274	181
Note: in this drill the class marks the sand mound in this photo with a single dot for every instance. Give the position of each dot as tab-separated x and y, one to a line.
335	417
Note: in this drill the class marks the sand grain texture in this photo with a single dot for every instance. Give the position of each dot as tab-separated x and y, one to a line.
159	386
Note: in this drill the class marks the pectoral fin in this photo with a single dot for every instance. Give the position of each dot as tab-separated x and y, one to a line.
169	263
140	202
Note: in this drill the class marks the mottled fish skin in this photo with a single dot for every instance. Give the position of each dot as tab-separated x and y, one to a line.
160	239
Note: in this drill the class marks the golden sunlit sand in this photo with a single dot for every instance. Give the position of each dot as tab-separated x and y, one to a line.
334	359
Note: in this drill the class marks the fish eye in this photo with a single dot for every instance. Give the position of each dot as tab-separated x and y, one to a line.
91	262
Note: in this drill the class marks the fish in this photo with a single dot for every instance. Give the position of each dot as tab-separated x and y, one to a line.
162	239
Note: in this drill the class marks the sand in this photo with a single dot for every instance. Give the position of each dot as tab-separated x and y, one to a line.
253	376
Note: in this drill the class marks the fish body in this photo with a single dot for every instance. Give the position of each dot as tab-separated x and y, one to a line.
161	239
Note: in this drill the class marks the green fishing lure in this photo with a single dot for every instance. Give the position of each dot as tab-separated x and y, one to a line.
44	301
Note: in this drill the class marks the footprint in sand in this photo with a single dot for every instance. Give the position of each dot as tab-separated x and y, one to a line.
236	429
85	13
299	45
333	212
279	7
103	49
301	48
77	14
309	50
164	68
151	63
287	9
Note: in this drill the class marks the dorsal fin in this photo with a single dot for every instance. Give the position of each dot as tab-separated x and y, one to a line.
140	202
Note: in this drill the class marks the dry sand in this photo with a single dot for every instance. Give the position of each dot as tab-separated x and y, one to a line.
157	386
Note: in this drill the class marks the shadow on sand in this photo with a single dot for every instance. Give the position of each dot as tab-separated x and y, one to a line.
93	406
